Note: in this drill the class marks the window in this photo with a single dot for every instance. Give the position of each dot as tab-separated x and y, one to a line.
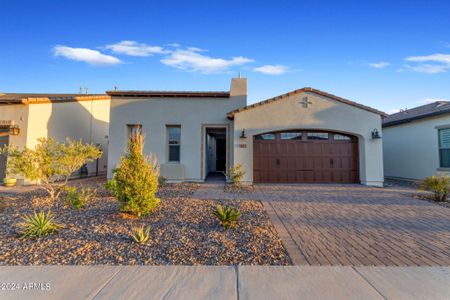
174	138
317	136
291	135
265	137
340	137
133	128
444	147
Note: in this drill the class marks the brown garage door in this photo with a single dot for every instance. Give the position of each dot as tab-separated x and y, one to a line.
305	156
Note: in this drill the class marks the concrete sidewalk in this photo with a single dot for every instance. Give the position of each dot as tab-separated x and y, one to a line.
223	282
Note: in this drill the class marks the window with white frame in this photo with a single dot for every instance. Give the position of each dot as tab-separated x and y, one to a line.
174	140
444	147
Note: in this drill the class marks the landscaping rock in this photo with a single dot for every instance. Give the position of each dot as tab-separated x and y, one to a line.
183	231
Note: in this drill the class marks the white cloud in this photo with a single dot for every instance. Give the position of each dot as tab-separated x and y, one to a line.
133	48
92	57
191	60
431	100
272	69
430	64
379	65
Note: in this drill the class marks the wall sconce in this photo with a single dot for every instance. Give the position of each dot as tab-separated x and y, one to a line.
243	136
375	134
14	130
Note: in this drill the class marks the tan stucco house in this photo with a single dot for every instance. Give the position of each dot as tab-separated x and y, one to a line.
303	136
26	117
416	141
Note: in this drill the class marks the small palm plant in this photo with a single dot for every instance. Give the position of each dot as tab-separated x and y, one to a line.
236	175
141	234
439	185
227	215
39	224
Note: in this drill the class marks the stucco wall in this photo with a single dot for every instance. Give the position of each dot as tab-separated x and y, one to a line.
85	120
411	150
19	114
323	113
155	114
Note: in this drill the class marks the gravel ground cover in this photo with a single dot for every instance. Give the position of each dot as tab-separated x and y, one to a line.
183	231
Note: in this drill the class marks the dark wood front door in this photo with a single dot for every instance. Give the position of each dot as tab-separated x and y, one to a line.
305	156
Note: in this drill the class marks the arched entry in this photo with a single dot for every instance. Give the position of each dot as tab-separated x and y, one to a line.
309	156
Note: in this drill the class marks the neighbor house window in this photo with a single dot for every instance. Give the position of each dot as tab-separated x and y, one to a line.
133	128
444	147
174	137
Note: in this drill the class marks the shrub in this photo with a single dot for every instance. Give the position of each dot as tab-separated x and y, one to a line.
141	234
39	224
49	162
2	203
439	185
78	199
236	174
227	215
135	180
162	180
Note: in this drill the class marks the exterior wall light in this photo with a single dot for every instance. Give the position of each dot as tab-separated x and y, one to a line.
14	130
375	134
243	136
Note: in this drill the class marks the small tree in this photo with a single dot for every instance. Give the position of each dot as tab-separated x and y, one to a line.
236	174
135	180
49	162
439	185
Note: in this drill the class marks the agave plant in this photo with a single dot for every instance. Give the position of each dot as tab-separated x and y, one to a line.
38	224
141	234
439	185
227	215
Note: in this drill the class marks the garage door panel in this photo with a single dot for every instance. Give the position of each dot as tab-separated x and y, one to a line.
303	160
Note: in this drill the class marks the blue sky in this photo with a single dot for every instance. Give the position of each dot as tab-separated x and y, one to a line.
383	54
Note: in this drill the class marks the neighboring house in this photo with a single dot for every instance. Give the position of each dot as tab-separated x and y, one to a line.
26	117
417	141
302	136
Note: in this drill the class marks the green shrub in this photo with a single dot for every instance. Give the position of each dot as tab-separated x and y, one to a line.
236	174
162	180
439	185
39	224
227	215
49	162
135	180
141	234
2	203
78	199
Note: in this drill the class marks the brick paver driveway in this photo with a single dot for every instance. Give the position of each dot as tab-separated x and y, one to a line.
357	225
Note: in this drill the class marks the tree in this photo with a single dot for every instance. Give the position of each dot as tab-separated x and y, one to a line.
50	162
135	180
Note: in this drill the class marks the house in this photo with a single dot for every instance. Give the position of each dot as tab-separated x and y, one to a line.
26	117
416	142
303	136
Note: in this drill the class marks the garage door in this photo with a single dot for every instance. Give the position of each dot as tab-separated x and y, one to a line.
305	156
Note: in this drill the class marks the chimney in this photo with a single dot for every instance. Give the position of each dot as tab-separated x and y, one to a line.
238	87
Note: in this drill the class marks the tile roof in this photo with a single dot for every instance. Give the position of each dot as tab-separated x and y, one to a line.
169	94
420	112
32	98
311	90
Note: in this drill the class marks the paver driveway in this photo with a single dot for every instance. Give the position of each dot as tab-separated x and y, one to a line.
353	224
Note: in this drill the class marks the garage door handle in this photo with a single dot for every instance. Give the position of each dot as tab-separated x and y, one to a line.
331	161
278	162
